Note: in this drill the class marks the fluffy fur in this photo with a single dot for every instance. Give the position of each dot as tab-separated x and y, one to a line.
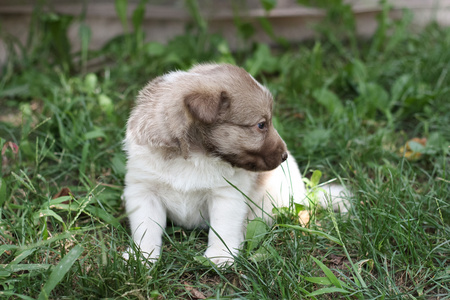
189	136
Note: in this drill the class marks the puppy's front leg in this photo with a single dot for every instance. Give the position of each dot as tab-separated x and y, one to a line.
147	217
227	212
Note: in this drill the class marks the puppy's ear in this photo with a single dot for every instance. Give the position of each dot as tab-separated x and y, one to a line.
206	107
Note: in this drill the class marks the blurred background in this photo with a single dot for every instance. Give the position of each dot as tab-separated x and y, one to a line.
162	20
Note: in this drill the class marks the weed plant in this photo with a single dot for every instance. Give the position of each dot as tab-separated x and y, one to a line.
374	112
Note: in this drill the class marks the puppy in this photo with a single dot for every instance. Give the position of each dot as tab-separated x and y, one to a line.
197	142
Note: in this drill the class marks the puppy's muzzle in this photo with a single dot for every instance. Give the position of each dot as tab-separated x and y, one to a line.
284	156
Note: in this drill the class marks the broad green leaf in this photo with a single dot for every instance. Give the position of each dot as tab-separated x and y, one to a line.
59	271
256	229
311	231
261	254
333	279
315	178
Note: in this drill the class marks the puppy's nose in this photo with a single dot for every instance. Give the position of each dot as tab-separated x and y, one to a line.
284	156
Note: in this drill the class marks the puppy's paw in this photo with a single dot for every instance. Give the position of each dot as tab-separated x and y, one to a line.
144	257
126	255
222	261
220	257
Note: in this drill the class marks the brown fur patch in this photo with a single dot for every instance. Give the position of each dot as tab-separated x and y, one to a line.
205	107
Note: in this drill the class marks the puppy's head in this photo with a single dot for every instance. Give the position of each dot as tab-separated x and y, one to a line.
220	110
233	114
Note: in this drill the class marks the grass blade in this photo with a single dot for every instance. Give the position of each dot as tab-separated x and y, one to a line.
4	248
24	254
25	267
311	231
121	9
318	280
327	291
60	270
2	192
333	279
28	184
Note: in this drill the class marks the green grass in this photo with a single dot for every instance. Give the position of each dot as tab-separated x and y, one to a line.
344	105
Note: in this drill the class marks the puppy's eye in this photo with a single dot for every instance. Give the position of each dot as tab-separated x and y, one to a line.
262	125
